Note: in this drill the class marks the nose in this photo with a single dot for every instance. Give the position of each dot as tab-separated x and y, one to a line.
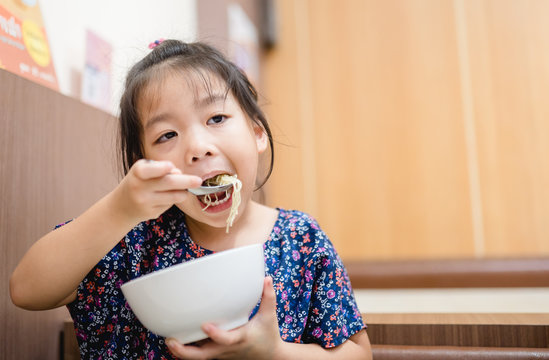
199	147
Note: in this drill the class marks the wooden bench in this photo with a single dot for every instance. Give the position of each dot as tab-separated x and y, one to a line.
458	336
450	273
437	336
396	352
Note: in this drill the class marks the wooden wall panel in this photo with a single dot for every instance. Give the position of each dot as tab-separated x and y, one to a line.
509	55
383	123
399	128
434	112
282	104
56	160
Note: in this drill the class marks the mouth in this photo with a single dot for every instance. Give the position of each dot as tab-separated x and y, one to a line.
223	200
216	199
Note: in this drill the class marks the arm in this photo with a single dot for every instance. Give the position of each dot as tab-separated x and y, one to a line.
50	272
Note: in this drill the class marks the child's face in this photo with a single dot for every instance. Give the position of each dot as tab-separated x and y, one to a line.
204	133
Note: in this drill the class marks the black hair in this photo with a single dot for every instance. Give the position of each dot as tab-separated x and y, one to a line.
178	55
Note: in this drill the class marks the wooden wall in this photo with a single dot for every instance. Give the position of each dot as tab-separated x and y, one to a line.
414	128
56	160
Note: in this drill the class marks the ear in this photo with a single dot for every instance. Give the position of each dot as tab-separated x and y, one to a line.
261	138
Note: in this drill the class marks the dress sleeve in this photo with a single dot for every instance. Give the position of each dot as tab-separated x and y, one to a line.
333	314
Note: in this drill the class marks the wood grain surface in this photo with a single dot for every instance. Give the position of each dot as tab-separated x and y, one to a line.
56	160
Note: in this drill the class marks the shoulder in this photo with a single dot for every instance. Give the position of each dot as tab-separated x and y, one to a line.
296	225
301	231
296	218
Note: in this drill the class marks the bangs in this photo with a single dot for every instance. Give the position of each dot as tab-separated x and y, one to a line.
199	81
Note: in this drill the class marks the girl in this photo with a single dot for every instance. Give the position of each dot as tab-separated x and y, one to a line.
193	115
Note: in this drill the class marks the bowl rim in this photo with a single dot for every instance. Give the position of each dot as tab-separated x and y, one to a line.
190	262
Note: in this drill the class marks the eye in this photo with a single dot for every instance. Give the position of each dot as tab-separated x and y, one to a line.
216	120
165	137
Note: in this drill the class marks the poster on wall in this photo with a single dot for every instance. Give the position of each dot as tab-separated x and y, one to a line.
243	42
96	80
24	48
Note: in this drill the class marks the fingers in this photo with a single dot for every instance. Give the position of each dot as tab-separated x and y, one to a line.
152	187
185	351
223	337
209	350
167	176
167	190
259	336
175	181
220	342
149	169
165	198
268	298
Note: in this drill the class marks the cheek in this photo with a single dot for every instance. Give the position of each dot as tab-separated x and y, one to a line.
242	141
168	151
146	149
250	153
249	172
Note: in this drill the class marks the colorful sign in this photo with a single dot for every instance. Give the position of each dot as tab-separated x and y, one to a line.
96	80
24	48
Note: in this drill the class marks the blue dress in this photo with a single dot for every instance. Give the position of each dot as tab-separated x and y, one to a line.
315	301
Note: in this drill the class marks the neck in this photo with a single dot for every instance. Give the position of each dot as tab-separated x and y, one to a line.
241	233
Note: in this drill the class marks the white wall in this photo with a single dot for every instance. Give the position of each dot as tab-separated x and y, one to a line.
129	25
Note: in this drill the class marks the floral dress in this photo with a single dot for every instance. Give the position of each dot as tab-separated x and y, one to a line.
315	302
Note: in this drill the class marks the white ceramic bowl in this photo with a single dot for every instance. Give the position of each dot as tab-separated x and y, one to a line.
222	288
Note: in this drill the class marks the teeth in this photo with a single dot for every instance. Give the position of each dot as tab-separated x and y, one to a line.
209	202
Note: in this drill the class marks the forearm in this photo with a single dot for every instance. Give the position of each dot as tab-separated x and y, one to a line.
357	347
54	266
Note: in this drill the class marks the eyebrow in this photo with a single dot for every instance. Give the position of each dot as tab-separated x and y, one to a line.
156	119
210	99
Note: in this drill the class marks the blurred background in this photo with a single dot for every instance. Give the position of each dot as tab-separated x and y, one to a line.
417	129
413	130
409	128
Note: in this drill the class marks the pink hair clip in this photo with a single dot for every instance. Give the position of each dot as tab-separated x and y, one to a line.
155	43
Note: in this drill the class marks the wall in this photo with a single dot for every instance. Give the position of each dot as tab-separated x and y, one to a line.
129	25
57	154
56	160
414	129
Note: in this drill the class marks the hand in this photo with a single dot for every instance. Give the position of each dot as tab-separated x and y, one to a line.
258	339
152	187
